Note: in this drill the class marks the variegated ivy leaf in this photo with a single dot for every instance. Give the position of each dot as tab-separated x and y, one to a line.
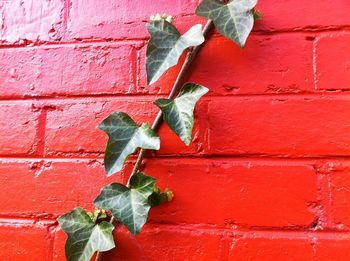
234	20
178	112
84	236
166	46
124	138
129	205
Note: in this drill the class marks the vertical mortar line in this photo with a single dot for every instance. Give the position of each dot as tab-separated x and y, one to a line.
317	209
207	131
134	70
66	15
225	245
138	67
330	199
234	237
51	242
314	67
323	195
40	135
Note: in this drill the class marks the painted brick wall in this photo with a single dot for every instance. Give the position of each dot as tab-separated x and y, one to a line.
268	174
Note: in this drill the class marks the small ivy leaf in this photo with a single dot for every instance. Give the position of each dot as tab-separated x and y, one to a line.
124	138
103	215
178	112
157	198
158	17
166	46
84	236
257	15
128	205
234	20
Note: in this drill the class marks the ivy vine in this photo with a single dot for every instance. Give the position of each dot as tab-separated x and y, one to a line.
91	232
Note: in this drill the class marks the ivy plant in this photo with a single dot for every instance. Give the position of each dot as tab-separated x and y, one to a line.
129	204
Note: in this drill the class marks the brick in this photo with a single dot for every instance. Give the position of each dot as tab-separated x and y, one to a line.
244	193
72	127
280	125
296	15
23	243
263	66
31	20
67	70
50	188
99	19
272	249
287	246
333	74
158	243
338	208
335	248
18	129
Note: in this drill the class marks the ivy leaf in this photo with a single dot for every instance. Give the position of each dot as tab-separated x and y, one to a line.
234	20
124	138
178	112
157	198
84	236
129	205
166	46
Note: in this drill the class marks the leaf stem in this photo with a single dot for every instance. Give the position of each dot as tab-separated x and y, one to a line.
190	57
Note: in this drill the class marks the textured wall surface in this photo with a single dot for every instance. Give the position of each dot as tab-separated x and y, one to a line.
268	174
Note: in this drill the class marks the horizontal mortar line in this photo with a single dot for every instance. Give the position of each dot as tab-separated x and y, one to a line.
305	29
121	41
250	230
277	157
99	40
186	157
92	97
27	216
14	220
288	234
320	94
256	231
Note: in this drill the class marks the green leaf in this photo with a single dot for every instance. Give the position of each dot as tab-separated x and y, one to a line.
178	112
157	198
129	205
166	46
234	20
84	236
124	138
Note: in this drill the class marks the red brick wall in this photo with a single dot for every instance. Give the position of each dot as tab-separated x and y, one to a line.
268	174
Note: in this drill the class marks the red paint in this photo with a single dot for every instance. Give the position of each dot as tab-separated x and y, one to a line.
113	19
19	127
73	69
266	249
332	74
250	193
31	21
298	126
267	176
23	240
